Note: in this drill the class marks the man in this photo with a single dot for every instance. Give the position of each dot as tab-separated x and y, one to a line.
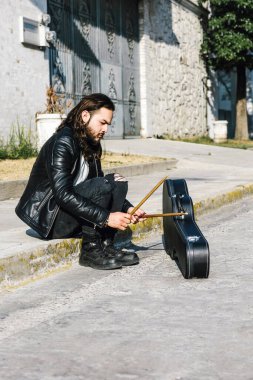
68	195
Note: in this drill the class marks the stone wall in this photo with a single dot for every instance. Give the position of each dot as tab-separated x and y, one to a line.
173	99
24	70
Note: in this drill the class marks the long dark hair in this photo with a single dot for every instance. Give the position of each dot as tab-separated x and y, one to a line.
90	103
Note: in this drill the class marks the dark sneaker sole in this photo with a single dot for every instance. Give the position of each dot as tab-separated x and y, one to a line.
133	262
87	263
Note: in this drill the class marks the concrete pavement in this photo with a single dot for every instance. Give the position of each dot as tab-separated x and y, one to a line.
143	322
214	175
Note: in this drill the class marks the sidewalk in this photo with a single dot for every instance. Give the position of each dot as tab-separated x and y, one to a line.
209	171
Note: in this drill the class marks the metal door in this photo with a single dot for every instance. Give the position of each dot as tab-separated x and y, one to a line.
97	51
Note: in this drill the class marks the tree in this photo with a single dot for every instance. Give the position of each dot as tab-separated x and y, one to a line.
228	44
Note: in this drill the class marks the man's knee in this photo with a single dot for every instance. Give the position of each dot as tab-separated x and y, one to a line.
94	187
102	189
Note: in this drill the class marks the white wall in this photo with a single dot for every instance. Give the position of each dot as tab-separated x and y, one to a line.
173	99
24	71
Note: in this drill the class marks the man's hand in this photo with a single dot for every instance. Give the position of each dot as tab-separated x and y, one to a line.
138	216
119	220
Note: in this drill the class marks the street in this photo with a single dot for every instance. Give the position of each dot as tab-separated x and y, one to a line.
141	322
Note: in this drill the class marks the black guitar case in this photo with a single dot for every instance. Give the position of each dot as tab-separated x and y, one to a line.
183	240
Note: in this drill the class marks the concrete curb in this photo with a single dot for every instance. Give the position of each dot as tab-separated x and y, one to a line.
28	266
32	264
14	189
213	203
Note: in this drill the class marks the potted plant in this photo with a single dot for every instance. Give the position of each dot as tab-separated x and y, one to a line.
220	131
51	118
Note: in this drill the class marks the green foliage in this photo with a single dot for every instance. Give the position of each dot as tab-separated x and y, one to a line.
228	34
20	144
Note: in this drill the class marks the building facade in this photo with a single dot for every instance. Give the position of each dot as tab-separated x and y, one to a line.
144	54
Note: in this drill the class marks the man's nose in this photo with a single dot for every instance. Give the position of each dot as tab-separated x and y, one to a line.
105	128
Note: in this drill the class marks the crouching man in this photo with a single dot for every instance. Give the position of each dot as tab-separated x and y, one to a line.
67	193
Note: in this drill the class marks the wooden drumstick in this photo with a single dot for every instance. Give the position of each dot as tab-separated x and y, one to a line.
162	215
148	195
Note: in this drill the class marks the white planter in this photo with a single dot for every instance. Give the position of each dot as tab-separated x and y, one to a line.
46	124
220	131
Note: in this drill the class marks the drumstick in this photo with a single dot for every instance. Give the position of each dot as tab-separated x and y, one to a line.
148	195
162	215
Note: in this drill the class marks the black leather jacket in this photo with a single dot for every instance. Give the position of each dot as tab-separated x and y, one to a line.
50	186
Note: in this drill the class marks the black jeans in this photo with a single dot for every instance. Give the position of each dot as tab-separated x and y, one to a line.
103	191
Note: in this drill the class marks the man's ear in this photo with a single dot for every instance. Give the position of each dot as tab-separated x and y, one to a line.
85	116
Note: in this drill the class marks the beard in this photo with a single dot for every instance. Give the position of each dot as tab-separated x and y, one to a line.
90	144
90	137
93	141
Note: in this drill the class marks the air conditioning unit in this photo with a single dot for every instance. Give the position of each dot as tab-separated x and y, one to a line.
36	33
29	31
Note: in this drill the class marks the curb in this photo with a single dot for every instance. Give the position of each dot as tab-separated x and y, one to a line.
14	189
28	266
209	204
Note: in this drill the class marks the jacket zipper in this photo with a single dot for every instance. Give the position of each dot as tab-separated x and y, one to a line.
50	192
94	225
95	164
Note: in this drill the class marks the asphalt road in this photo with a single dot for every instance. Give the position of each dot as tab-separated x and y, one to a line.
142	322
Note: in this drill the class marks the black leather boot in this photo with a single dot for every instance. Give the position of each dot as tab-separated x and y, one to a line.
92	253
125	258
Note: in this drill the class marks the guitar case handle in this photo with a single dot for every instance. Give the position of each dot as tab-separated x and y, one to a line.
179	204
